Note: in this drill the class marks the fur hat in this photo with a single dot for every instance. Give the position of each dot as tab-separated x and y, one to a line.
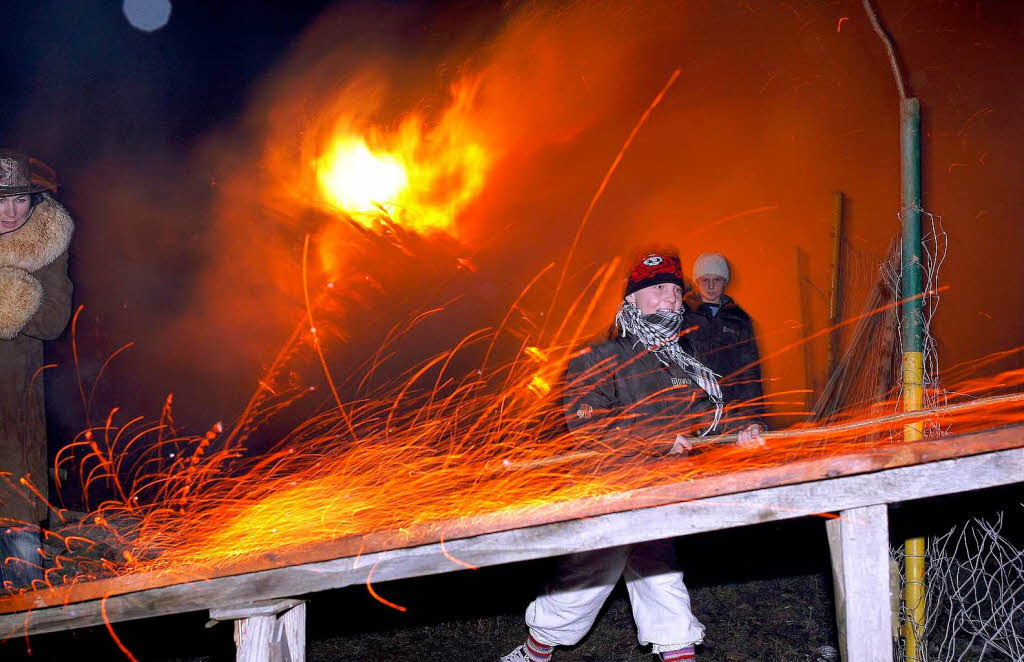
21	175
711	264
655	269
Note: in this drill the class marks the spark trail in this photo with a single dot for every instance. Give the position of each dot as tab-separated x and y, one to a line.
428	452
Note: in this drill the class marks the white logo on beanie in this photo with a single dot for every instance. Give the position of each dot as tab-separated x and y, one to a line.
653	260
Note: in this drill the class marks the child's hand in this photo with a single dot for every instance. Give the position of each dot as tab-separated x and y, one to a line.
683	444
750	436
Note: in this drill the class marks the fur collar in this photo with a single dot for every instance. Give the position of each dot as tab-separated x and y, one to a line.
42	239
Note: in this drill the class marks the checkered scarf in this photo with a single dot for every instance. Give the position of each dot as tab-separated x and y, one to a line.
659	334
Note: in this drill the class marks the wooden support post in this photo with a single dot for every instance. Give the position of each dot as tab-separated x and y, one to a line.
859	543
267	631
835	548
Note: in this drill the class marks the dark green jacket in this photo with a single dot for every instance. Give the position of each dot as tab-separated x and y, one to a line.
726	343
621	398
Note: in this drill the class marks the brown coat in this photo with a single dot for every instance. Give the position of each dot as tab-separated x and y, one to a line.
35	305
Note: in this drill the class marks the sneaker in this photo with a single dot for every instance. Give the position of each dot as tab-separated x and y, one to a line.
517	655
687	654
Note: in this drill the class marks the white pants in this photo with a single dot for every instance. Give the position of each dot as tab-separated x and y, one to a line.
566	610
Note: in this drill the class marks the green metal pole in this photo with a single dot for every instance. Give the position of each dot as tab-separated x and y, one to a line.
913	357
910	139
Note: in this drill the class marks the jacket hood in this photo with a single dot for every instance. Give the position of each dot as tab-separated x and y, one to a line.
43	238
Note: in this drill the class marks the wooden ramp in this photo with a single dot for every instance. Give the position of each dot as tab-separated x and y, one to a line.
263	594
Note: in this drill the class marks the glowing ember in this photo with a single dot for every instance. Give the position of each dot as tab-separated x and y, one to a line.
540	386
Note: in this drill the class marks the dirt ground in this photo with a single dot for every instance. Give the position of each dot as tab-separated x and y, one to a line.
758	605
783	619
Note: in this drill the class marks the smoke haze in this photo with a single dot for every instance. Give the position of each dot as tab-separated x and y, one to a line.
190	242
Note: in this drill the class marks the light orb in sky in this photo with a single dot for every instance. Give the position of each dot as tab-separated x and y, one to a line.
147	15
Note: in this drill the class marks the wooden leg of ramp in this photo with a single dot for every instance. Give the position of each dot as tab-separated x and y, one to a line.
859	543
267	631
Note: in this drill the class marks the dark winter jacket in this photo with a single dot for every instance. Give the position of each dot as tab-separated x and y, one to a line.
35	304
725	342
621	398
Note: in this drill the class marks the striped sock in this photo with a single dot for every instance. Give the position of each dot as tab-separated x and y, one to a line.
684	654
537	651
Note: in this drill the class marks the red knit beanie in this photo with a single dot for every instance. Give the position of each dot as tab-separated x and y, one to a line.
655	269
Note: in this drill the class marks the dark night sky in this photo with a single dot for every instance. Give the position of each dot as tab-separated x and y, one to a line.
112	85
98	99
775	108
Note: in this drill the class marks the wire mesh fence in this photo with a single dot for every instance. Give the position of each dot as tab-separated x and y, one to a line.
975	594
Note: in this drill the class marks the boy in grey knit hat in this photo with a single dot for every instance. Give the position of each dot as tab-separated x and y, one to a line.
726	343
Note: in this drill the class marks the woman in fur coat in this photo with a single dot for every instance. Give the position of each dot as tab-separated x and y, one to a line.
35	305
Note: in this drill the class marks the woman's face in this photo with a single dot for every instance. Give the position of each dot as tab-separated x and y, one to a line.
14	211
666	296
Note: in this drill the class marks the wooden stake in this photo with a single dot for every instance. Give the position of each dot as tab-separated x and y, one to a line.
835	305
802	278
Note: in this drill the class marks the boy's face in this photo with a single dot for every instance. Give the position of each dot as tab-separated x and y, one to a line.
711	288
665	296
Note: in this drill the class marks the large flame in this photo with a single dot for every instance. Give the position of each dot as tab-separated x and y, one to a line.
420	175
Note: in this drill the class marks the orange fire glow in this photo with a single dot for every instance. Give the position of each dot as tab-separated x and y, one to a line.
427	453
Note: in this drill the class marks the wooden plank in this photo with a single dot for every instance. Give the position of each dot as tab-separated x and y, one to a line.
873	459
276	637
615	528
864	552
293	634
253	638
261	608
